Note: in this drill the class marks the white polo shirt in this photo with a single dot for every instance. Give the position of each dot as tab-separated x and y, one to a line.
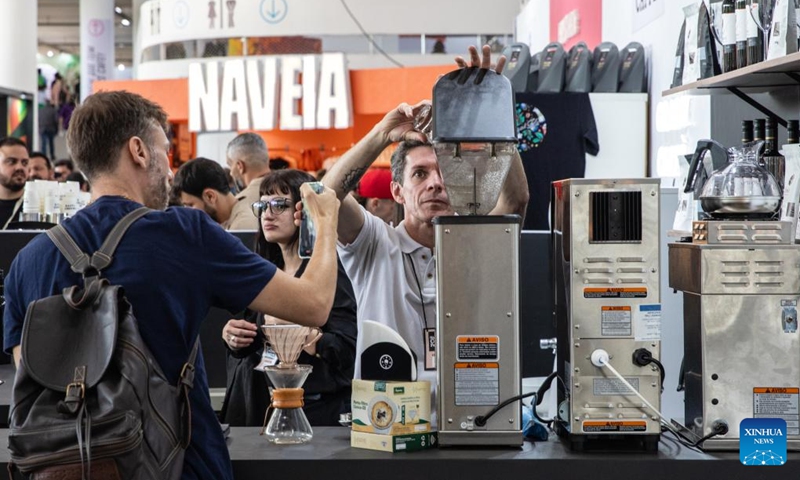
382	262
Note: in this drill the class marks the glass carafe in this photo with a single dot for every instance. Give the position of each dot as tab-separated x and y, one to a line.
288	424
743	186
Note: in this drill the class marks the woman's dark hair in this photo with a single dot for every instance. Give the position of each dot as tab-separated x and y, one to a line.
279	182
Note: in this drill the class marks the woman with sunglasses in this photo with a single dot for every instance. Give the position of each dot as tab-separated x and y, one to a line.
327	389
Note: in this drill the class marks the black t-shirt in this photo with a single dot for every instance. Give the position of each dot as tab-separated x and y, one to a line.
555	133
7	210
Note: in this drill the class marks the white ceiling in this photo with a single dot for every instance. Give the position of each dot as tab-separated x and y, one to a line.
58	28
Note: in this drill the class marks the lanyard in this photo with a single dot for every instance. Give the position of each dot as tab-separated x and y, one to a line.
407	256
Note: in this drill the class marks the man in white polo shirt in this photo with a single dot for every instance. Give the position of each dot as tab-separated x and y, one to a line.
392	268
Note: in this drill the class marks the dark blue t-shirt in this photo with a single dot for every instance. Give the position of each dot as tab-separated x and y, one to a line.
174	265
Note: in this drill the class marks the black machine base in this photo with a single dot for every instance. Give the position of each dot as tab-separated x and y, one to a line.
609	442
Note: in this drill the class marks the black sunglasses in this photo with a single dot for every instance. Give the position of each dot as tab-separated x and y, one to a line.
277	206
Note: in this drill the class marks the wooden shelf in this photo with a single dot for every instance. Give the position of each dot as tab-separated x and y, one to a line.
762	76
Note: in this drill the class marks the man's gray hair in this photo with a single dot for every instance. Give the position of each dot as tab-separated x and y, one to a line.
250	148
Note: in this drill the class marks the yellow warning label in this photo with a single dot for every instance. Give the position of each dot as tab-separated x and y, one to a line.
477	365
617	309
776	390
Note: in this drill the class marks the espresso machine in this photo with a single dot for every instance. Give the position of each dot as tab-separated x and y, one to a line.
605	264
477	263
740	278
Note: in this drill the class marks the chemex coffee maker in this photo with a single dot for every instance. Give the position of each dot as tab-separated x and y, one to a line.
288	424
740	278
477	263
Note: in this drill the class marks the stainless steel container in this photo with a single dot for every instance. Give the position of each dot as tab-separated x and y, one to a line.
607	298
741	345
477	329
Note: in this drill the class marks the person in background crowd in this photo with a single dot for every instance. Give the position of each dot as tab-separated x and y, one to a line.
62	168
202	184
328	388
278	163
57	91
13	174
375	254
376	191
248	159
39	167
65	112
174	264
78	176
48	127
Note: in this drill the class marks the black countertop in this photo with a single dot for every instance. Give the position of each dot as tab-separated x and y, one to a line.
329	456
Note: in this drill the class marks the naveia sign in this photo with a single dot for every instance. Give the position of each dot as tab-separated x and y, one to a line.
291	92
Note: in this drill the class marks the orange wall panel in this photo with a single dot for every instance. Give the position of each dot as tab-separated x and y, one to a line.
172	94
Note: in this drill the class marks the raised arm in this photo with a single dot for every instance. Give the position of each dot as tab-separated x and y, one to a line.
514	195
396	126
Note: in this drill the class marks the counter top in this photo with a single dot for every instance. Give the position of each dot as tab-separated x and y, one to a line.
330	456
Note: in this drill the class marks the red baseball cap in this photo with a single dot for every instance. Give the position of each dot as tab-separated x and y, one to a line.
376	183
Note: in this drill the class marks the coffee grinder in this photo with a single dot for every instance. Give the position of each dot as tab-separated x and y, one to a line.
477	263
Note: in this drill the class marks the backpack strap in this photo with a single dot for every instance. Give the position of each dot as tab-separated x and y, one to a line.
186	383
82	263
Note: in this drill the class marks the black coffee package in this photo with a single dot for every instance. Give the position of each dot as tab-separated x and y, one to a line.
677	76
706	46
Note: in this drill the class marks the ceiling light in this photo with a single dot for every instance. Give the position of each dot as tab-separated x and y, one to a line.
118	9
121	67
50	53
125	22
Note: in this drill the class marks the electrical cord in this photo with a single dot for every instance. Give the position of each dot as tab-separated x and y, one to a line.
642	357
369	37
538	396
481	420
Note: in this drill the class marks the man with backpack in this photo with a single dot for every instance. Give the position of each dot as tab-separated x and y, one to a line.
172	266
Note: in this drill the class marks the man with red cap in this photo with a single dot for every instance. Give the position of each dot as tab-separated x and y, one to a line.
375	188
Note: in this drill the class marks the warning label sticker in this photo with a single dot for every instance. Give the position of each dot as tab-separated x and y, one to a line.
778	402
613	386
615	321
628	426
477	383
477	347
615	292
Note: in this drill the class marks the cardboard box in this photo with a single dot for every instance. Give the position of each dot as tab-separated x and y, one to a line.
391	408
393	443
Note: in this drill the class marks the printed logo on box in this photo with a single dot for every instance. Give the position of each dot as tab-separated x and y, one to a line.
762	442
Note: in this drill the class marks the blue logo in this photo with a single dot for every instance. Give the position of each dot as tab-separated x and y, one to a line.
180	14
273	11
762	441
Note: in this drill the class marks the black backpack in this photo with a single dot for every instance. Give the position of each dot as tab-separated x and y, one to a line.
89	400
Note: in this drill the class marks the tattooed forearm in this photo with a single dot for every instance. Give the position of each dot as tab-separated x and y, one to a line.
352	178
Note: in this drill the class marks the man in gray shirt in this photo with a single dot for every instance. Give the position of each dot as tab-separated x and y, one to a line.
248	159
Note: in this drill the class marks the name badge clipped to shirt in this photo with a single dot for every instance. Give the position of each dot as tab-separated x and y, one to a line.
429	339
268	359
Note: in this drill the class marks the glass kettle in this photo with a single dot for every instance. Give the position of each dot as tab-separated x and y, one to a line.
743	188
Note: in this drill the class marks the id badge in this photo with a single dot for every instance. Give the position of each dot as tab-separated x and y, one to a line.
429	337
268	359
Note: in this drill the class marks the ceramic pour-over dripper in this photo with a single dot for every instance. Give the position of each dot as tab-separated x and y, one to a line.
288	424
289	340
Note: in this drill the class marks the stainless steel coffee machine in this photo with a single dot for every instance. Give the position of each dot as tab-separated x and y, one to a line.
605	263
477	263
740	278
